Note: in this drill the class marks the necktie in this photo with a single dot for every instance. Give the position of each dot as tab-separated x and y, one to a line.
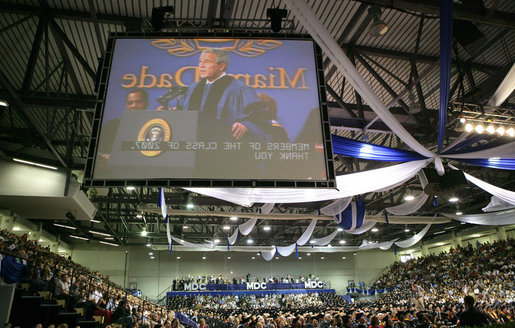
204	96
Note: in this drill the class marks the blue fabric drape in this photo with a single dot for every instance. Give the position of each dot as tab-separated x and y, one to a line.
352	217
358	149
470	141
494	163
445	66
12	269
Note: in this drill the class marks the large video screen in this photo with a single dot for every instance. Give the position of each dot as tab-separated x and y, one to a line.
211	108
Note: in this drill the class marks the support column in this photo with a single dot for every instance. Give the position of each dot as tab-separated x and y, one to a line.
501	233
36	234
424	250
6	220
455	240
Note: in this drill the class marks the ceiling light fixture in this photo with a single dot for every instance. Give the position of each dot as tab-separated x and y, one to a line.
454	199
190	206
99	233
267	228
77	237
139	216
226	227
409	197
64	226
110	244
35	164
94	221
250	241
131	188
216	241
3	103
185	227
339	229
144	233
233	218
378	27
342	241
459	213
375	230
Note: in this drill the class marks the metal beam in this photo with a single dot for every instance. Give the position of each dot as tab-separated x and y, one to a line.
17	102
60	34
67	14
460	11
34	51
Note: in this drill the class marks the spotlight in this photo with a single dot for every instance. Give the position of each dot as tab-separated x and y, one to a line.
469	127
510	132
253	257
490	129
462	120
276	16
378	27
480	128
203	257
144	233
500	130
414	105
158	16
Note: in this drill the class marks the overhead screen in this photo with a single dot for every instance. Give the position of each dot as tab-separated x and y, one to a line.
211	109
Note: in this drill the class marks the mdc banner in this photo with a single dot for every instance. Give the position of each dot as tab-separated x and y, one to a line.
255	286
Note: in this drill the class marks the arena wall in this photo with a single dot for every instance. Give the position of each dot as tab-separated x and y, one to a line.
154	276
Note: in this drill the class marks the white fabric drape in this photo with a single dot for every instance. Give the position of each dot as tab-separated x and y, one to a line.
336	207
504	89
348	185
496	218
268	255
244	229
371	245
496	204
188	244
315	28
367	225
504	194
325	240
409	207
307	233
413	240
233	237
286	250
503	151
267	208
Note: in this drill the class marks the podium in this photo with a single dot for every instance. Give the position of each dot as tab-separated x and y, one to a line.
177	145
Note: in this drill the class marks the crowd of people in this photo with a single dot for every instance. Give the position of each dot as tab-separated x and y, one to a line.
438	290
76	284
178	283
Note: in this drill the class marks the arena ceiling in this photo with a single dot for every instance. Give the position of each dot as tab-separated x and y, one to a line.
51	48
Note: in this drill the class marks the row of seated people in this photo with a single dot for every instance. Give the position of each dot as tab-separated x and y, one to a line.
93	294
328	311
178	283
485	271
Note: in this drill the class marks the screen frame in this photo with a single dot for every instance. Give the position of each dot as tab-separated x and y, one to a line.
101	87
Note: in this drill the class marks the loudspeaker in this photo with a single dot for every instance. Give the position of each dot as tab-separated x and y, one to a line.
469	36
445	185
